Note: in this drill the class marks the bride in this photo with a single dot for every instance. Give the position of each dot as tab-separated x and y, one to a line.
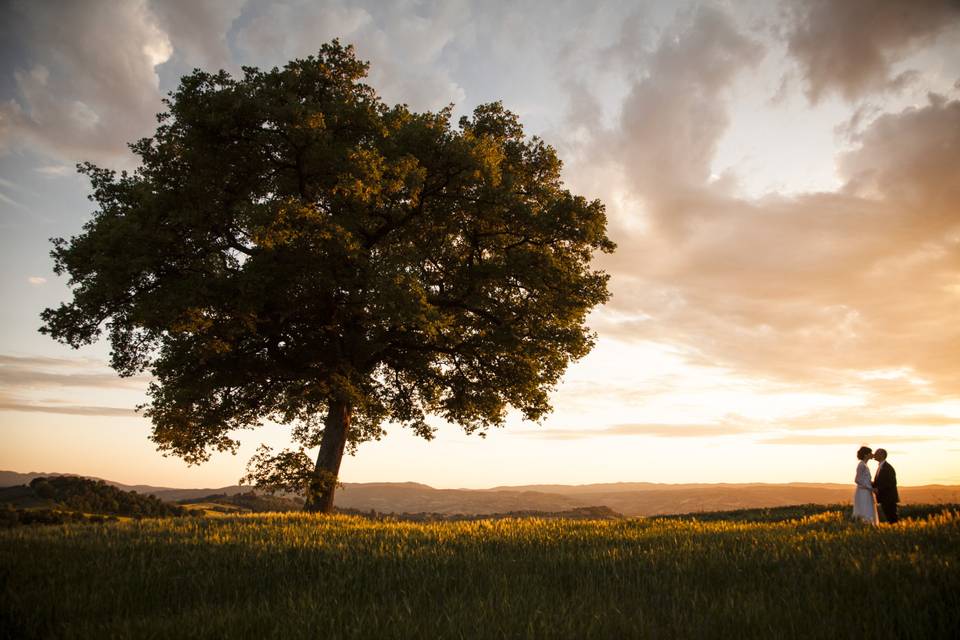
864	503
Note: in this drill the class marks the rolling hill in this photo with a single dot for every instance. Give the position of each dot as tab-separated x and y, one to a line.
628	498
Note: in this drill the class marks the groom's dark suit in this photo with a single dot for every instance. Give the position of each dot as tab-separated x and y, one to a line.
886	485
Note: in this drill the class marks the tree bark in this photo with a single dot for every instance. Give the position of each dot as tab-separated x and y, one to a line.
325	474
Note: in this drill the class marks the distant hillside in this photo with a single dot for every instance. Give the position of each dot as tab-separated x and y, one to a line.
628	498
410	497
631	499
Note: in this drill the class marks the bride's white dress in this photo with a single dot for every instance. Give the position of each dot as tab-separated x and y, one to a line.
864	503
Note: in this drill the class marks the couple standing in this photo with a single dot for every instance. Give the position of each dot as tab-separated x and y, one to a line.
882	489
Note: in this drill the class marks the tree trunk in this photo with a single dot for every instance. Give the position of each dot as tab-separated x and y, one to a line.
324	484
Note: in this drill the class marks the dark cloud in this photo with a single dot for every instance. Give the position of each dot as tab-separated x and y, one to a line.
405	42
87	75
87	84
851	46
198	30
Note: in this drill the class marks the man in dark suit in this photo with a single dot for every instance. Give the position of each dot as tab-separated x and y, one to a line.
885	486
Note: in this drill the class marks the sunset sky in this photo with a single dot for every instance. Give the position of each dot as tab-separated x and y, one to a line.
782	181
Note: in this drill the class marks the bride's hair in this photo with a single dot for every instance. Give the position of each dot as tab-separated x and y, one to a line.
863	452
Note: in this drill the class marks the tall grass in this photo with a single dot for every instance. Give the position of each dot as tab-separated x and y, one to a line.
302	576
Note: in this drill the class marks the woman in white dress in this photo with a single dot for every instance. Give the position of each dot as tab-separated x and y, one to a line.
864	502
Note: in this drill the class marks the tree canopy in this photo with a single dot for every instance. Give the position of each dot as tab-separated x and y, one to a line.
293	249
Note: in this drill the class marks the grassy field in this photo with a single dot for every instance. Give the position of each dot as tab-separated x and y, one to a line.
300	576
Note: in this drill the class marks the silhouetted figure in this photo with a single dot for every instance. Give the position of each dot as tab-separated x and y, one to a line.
885	486
864	504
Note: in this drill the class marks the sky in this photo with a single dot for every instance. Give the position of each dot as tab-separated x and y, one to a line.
782	181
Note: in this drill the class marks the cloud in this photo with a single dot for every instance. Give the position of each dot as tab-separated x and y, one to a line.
55	170
12	186
40	372
197	31
655	430
37	280
672	118
21	377
29	375
89	84
851	47
7	360
10	201
911	160
850	441
72	410
875	418
861	418
403	41
88	77
808	289
293	29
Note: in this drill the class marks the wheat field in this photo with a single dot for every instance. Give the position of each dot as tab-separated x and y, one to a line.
304	576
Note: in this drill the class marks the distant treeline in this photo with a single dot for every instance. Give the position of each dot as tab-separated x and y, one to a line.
59	494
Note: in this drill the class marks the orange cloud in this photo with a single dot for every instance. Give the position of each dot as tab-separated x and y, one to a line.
640	429
850	441
816	291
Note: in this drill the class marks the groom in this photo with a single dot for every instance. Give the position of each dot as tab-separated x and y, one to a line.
885	486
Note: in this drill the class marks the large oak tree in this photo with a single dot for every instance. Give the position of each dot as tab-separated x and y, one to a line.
293	249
